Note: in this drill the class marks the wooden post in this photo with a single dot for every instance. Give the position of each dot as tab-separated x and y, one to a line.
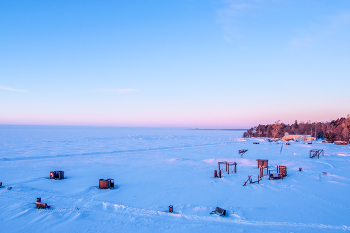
228	170
258	179
219	165
215	173
269	174
235	168
219	173
226	165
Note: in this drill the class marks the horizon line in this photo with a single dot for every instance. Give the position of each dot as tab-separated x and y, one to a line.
159	127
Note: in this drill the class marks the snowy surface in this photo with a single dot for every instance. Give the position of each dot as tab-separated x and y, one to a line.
155	168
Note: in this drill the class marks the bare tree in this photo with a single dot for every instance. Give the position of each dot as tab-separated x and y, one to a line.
276	128
338	129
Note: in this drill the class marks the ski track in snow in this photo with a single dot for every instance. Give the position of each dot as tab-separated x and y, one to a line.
149	213
112	152
71	213
320	199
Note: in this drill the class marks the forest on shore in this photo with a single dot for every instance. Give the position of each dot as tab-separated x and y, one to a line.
335	130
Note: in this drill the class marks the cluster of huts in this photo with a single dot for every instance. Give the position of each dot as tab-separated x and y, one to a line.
262	164
279	173
59	175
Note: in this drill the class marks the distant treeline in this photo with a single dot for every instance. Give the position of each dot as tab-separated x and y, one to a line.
336	130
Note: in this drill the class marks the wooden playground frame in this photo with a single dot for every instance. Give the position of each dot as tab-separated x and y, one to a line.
227	164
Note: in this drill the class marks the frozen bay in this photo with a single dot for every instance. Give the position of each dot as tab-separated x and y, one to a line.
155	168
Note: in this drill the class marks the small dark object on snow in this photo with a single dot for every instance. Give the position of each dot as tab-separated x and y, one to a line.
275	176
316	152
40	205
59	175
241	152
215	173
0	184
219	211
9	188
288	144
300	169
106	184
111	183
171	209
255	142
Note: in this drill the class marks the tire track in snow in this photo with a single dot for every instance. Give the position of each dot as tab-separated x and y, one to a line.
140	214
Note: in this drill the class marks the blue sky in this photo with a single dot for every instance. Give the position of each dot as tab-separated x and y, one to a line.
183	63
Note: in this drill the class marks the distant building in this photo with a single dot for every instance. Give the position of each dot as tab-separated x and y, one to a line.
288	137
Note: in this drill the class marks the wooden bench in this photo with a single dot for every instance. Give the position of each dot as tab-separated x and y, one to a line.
276	176
219	211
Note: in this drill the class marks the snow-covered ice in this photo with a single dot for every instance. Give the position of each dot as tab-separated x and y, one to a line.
155	168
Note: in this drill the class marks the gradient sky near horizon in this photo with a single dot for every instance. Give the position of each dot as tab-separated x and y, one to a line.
183	63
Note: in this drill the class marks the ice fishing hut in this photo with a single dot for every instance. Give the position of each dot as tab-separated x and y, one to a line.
57	175
106	184
263	163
